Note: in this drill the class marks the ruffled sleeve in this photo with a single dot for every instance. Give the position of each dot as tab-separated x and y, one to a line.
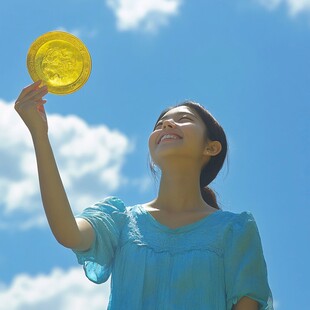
107	218
245	266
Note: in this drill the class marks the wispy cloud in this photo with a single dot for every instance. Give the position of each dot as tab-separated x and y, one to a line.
89	158
58	290
294	6
80	32
146	15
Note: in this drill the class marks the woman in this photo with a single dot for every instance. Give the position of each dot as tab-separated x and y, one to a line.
179	251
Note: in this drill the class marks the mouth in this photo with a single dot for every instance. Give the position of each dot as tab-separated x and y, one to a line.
169	137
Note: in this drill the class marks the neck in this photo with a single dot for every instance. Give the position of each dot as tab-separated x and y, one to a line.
179	189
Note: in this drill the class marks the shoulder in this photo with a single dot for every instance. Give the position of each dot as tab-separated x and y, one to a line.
238	223
108	207
115	206
241	228
110	204
238	218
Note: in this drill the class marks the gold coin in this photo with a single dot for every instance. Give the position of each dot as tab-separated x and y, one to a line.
60	60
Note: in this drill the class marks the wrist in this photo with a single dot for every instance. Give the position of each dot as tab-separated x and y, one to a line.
38	135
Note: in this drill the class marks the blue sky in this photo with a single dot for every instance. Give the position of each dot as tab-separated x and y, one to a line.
247	61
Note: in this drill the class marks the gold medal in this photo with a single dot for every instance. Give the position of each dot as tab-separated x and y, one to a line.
60	60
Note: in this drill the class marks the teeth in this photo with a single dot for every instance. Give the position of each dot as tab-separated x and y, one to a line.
169	137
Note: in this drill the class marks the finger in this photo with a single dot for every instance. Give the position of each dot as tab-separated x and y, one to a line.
41	101
37	85
28	92
42	91
39	95
28	88
33	95
41	111
28	102
40	108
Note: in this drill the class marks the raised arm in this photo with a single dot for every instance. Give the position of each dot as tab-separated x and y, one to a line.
68	232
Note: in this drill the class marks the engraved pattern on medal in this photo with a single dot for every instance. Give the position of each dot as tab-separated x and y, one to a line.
61	61
61	64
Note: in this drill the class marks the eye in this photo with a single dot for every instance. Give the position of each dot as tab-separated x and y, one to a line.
185	117
158	125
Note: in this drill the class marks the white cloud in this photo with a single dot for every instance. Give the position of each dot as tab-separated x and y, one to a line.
89	159
269	4
143	183
80	32
146	15
60	290
294	6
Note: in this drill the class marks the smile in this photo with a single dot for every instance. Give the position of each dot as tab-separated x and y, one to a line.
169	137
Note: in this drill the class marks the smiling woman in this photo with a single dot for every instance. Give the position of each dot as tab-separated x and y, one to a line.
212	138
178	251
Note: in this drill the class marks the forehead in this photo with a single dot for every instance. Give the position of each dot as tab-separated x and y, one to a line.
179	110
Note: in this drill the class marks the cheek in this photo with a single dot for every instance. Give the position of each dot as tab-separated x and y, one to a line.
196	139
152	141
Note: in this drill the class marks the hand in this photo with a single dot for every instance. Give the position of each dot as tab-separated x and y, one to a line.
29	106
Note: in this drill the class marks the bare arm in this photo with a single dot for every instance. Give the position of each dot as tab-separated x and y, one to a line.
246	303
55	201
69	232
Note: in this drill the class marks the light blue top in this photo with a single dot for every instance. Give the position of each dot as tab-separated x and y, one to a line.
209	264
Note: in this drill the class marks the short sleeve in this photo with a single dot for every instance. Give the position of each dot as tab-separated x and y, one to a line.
245	266
107	218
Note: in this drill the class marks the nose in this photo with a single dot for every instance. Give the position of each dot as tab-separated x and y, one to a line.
168	123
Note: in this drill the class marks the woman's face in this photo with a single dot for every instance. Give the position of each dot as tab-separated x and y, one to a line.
180	133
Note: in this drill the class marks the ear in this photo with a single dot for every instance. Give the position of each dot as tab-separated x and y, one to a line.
213	148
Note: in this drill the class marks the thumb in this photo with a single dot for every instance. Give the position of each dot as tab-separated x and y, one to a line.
41	111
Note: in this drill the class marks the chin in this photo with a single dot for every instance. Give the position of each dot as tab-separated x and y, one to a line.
164	157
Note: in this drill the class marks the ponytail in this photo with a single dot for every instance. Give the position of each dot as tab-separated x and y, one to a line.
209	197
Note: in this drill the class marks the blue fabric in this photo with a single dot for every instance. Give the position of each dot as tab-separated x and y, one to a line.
209	264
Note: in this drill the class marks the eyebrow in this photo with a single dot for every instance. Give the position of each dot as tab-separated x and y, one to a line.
177	114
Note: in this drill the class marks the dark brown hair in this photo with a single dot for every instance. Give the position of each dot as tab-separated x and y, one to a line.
214	132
